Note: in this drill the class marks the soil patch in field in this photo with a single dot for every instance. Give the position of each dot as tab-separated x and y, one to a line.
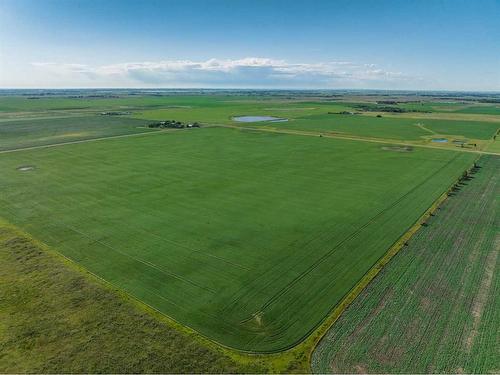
398	148
25	168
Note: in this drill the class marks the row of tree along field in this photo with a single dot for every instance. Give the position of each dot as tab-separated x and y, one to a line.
435	308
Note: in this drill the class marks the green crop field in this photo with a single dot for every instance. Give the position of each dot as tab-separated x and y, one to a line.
392	128
23	104
72	323
36	132
435	307
302	113
250	238
487	110
261	187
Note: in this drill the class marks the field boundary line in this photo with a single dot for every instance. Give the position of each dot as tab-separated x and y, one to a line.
351	138
421	126
370	221
280	131
323	328
89	140
93	240
275	362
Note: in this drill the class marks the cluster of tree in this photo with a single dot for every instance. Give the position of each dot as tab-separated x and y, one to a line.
115	113
382	108
344	113
466	176
391	102
490	100
172	124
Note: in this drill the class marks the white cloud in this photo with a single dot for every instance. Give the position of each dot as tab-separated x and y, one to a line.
246	72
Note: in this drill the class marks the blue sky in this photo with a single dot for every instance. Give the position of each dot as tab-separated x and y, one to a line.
419	44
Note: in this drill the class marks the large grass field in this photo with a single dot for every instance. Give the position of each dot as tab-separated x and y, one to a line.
248	237
36	132
400	128
435	307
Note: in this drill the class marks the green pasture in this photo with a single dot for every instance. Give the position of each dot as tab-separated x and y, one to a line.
224	113
399	128
483	109
435	307
304	114
452	107
126	102
250	238
36	132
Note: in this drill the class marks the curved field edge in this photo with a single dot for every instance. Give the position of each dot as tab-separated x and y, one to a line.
369	328
307	344
330	304
485	146
170	344
314	339
294	359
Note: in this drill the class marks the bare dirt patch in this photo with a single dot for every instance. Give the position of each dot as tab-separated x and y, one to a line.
398	148
482	296
360	369
25	168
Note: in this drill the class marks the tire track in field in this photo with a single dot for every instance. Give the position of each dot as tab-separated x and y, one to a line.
150	132
336	247
86	141
452	277
454	263
354	138
281	131
323	258
139	260
482	297
186	247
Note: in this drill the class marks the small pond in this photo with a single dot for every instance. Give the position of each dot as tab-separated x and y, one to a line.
439	140
258	119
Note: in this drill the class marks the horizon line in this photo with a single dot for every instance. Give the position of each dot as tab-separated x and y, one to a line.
250	89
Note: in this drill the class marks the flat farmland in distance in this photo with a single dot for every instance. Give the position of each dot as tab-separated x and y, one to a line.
487	110
37	132
399	128
22	104
220	112
435	307
251	238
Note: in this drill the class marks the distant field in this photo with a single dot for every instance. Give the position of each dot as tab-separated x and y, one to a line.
24	104
435	308
454	107
223	112
304	114
392	128
35	132
487	110
250	238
